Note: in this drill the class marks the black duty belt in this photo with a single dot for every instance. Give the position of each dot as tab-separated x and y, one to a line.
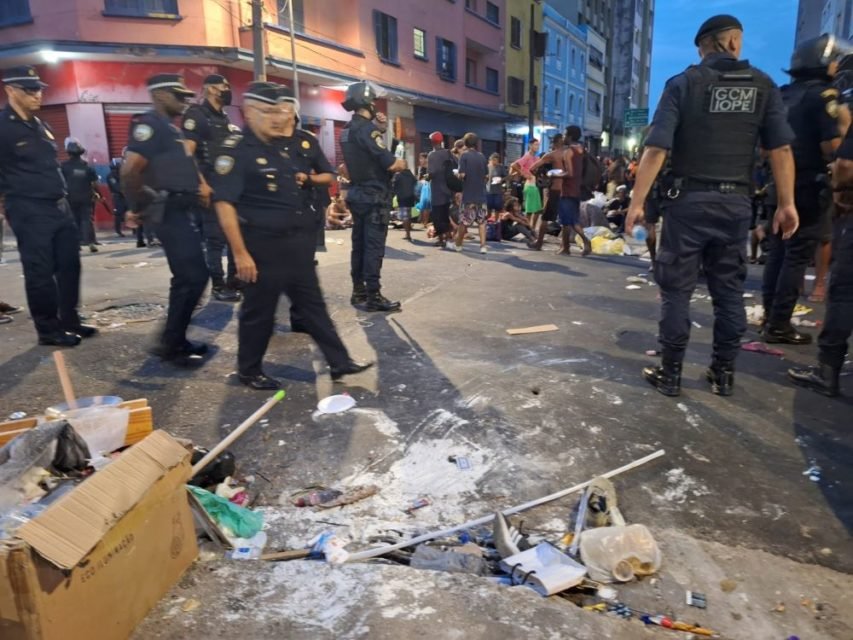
681	185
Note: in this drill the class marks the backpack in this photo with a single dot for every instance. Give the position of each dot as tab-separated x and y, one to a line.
590	175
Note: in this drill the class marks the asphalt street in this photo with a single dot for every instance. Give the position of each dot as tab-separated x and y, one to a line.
534	413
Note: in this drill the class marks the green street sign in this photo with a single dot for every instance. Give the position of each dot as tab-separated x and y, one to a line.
636	118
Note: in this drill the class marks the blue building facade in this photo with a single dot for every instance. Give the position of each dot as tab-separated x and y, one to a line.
563	99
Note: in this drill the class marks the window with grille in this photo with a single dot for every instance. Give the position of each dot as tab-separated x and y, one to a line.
14	12
141	8
385	29
492	80
445	59
515	91
515	33
420	43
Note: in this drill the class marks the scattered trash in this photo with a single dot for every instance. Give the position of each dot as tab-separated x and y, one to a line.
697	600
545	569
249	548
727	585
760	347
619	553
420	503
748	296
804	322
18	415
696	324
432	558
235	521
779	608
215	472
669	623
813	472
331	546
802	310
755	315
632	287
543	328
652	352
462	462
295	554
636	280
606	593
507	539
319	497
190	605
336	404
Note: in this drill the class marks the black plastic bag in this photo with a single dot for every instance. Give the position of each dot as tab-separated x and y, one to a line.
72	452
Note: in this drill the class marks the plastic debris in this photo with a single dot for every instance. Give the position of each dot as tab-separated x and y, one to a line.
249	548
420	503
18	415
813	472
760	347
802	310
463	462
336	404
697	600
545	569
636	280
431	558
236	521
619	553
314	498
190	605
331	546
696	324
633	287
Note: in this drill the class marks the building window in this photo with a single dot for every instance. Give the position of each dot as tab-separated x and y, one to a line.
141	8
492	80
580	106
298	15
515	33
420	43
573	57
445	59
471	5
596	59
493	13
385	28
14	12
557	98
593	102
559	48
471	72
571	103
515	91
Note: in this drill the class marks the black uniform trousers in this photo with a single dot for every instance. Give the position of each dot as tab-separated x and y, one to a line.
285	265
83	213
788	259
119	210
369	231
703	229
214	243
182	245
838	323
50	256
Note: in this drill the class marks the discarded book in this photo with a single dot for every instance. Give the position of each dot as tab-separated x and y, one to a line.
545	569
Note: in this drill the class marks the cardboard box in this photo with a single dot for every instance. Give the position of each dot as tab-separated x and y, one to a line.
94	563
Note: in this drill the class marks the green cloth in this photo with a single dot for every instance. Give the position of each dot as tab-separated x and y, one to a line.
532	199
242	522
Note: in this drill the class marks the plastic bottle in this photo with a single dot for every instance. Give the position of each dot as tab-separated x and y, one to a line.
317	497
617	554
640	234
249	548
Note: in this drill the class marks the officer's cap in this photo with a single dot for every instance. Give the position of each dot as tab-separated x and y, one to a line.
215	78
285	94
171	82
25	77
263	92
716	24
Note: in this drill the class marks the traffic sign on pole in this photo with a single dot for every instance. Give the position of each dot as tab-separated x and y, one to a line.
636	118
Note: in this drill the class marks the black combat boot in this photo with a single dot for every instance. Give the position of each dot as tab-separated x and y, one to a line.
721	376
785	335
359	295
822	378
666	378
377	302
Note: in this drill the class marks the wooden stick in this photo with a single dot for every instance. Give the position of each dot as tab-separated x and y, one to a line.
231	437
65	380
296	554
379	551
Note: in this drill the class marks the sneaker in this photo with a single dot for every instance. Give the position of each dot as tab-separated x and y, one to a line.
458	248
484	249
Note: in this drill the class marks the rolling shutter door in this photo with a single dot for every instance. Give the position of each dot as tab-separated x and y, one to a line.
56	118
117	119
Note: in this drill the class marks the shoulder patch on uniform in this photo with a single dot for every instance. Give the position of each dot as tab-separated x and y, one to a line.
261	161
142	132
829	94
306	144
223	165
189	124
232	140
377	137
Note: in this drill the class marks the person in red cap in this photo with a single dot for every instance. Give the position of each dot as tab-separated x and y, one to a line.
437	163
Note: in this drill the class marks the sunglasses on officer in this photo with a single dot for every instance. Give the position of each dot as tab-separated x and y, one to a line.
30	91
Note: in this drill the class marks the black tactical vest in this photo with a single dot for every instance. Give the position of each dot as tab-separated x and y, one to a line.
220	128
803	117
78	180
720	120
364	169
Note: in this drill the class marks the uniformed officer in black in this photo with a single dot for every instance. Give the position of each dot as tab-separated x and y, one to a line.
838	322
119	203
34	189
80	181
369	164
813	108
205	126
711	117
313	172
257	191
162	184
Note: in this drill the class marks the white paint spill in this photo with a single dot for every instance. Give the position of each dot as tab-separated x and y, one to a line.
477	401
681	488
384	425
692	419
555	361
694	454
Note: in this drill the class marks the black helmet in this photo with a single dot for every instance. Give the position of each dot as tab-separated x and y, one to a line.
360	95
73	147
813	56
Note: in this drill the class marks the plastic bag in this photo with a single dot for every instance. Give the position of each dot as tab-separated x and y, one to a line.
617	554
434	559
238	521
425	201
72	452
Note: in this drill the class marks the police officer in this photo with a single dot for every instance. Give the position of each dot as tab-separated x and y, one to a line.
812	105
80	181
119	204
205	127
838	322
161	182
368	162
34	189
313	173
711	117
261	208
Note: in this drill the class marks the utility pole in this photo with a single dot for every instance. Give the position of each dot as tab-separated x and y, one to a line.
260	56
531	90
293	48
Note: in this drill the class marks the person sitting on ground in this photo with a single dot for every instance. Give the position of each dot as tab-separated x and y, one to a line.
338	216
617	208
403	186
513	222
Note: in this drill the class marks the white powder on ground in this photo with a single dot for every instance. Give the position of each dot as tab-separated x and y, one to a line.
692	419
384	425
681	488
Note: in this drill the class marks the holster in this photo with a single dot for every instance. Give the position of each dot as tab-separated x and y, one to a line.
154	211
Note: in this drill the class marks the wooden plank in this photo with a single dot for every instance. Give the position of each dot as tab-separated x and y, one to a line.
542	328
14	425
139	403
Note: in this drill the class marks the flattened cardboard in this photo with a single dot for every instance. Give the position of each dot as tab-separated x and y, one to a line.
70	528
